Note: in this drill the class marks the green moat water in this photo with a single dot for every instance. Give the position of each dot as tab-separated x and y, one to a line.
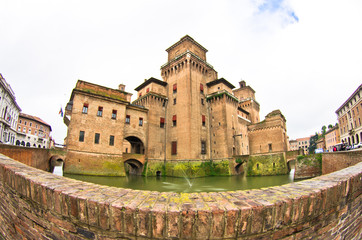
174	184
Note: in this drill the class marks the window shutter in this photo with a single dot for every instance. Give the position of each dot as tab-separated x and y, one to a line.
174	148
174	118
162	120
203	118
175	87
201	87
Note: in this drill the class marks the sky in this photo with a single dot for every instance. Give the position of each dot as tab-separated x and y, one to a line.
301	57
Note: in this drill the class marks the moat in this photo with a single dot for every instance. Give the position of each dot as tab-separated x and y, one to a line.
175	184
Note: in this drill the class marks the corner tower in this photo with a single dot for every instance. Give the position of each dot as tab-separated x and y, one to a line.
187	74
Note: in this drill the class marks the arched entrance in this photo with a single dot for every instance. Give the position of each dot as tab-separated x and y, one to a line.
133	167
239	168
136	145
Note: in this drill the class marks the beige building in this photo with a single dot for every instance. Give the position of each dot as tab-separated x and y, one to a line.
349	116
33	132
321	144
191	114
300	143
332	138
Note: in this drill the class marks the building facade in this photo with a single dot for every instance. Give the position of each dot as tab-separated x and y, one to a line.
9	113
349	116
189	115
332	138
321	144
33	132
300	143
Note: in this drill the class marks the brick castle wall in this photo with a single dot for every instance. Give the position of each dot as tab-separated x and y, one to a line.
308	166
35	204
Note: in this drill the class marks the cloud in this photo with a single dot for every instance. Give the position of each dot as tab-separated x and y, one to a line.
278	7
299	56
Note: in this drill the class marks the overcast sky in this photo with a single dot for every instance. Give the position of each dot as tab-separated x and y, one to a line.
302	57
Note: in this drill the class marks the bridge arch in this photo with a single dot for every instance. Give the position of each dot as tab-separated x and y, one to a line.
55	160
133	167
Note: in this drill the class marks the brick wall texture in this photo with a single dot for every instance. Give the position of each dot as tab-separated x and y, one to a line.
335	161
34	157
35	204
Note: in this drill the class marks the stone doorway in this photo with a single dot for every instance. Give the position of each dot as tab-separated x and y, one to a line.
135	145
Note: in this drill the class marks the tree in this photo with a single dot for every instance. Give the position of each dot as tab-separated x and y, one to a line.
330	126
313	143
324	130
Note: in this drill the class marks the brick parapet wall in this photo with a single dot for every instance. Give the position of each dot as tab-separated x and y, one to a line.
34	157
38	205
335	161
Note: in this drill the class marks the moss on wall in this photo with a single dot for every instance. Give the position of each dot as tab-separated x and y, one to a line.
308	166
106	168
188	168
152	167
271	164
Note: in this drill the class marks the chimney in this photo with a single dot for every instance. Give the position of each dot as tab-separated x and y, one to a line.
242	84
122	87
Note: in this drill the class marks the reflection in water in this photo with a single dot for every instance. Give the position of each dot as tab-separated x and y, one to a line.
173	184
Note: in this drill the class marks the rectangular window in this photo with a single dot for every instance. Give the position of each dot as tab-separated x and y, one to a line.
114	114
174	120
201	88
81	136
174	88
140	95
270	147
24	130
174	101
128	119
96	138
174	148
19	128
29	131
100	111
111	140
162	122
140	122
30	124
203	120
147	90
202	101
203	147
85	108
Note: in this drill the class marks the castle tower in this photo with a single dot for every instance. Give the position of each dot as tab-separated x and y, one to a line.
187	123
246	96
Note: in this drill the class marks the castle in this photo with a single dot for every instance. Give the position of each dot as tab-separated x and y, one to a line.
189	115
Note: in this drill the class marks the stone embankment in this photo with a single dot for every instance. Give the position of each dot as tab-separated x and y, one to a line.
35	204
